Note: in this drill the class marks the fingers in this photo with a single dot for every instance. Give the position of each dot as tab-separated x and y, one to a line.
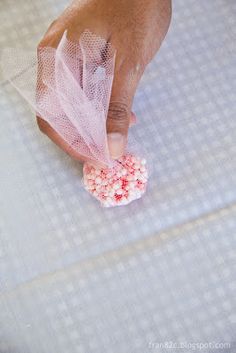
57	139
126	78
120	116
60	142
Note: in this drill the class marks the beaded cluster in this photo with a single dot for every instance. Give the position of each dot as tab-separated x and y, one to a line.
126	181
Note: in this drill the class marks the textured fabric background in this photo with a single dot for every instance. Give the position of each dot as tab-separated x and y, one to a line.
76	278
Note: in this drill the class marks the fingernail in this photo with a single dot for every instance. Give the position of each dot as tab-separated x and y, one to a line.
116	144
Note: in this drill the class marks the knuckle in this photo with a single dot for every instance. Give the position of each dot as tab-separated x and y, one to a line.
118	111
118	117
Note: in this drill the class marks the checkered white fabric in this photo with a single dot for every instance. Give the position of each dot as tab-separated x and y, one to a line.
78	278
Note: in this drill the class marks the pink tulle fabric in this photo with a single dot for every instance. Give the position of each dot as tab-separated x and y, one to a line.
69	87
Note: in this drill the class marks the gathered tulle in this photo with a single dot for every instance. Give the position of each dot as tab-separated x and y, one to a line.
70	88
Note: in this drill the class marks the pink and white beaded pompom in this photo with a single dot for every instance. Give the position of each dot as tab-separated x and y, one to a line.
70	88
119	185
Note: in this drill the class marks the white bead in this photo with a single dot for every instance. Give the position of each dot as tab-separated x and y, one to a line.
132	185
111	193
116	186
143	161
119	192
98	180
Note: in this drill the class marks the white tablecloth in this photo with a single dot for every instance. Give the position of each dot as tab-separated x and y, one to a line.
77	278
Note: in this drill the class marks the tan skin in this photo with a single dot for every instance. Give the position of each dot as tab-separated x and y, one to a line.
136	29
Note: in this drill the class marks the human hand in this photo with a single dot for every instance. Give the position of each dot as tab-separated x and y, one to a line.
136	29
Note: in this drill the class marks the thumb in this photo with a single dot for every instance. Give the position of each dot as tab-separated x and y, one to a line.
119	112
